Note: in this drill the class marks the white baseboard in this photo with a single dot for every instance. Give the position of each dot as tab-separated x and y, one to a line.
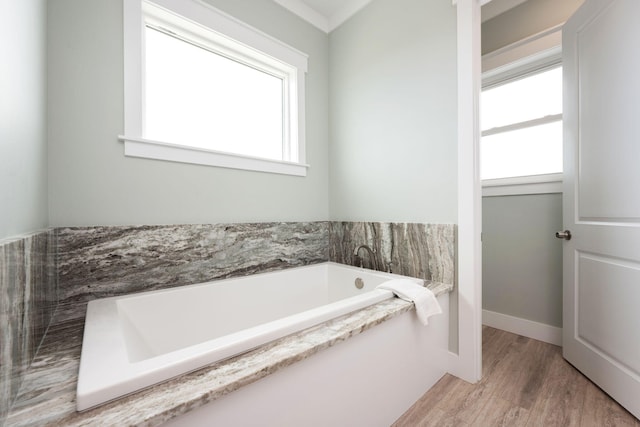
524	327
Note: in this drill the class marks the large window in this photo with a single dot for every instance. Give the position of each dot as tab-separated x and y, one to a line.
203	99
522	126
201	87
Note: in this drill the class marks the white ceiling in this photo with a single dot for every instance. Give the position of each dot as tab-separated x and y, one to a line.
329	14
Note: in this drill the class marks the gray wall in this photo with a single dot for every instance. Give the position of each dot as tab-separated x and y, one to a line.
92	183
393	117
23	144
524	20
393	113
521	258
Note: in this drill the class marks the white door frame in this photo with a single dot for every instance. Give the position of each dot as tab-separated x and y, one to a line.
467	364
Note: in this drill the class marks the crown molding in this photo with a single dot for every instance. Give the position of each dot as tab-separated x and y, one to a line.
319	20
306	12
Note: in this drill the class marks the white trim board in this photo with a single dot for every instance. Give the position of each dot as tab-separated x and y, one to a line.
468	364
527	328
158	150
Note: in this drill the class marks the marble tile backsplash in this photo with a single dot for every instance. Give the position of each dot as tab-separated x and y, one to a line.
425	251
97	262
28	299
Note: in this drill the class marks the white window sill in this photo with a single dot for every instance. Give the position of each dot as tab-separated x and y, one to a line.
144	148
535	184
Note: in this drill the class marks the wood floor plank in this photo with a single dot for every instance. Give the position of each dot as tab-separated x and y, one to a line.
501	413
561	398
470	401
454	398
522	374
435	418
495	348
602	411
526	383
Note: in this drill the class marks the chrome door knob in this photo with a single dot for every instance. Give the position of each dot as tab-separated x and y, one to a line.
566	235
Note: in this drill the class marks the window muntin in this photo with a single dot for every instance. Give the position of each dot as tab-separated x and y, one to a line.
522	126
204	27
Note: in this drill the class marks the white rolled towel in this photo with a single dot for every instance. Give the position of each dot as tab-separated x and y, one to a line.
424	300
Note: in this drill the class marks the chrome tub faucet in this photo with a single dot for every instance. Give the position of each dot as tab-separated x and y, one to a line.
371	252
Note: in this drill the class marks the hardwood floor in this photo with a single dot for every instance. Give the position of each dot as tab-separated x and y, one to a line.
525	383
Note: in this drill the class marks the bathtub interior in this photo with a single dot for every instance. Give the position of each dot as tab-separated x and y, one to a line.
164	321
167	321
136	341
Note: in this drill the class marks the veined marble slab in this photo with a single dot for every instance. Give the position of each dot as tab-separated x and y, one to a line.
28	298
425	251
96	262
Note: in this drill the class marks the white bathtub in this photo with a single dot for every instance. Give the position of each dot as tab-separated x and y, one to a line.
135	341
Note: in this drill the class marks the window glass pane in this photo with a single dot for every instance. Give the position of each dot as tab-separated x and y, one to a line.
529	98
531	151
201	99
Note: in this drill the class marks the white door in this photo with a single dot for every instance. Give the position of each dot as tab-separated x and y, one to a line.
601	60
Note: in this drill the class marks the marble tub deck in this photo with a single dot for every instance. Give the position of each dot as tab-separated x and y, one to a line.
47	395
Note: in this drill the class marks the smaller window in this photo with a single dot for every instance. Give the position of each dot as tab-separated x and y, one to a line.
522	126
201	87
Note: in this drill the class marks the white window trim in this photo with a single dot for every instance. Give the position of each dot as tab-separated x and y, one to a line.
533	184
534	54
144	148
209	19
